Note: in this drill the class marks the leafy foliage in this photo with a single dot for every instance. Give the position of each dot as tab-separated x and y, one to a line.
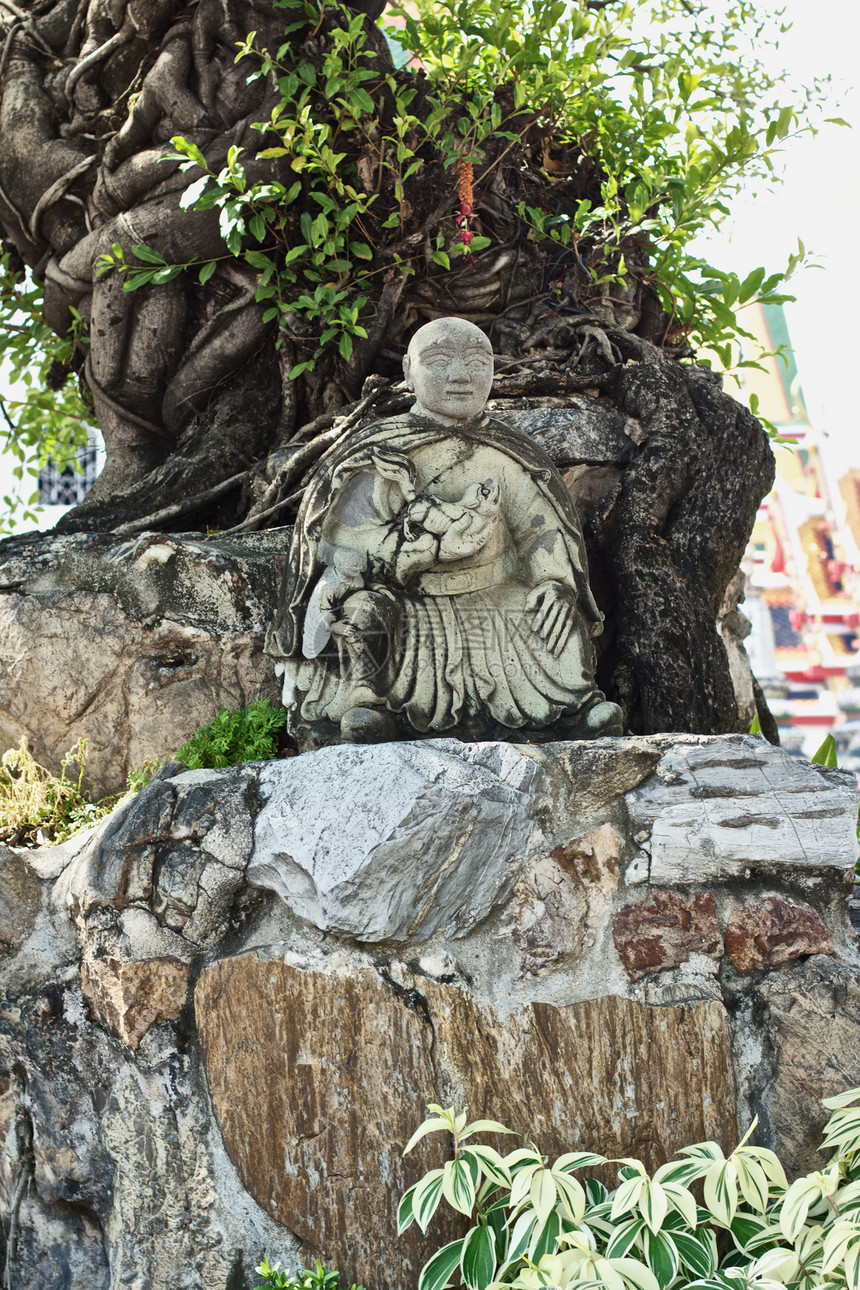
671	118
671	101
38	808
143	775
303	1279
232	738
622	130
34	804
535	1224
46	418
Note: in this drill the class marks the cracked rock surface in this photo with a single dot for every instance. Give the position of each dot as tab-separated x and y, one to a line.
180	620
225	1009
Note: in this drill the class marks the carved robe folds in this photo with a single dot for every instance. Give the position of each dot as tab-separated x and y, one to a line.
437	574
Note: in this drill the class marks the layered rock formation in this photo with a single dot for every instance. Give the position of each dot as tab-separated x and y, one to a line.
225	1010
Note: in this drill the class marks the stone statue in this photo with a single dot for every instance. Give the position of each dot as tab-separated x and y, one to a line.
437	578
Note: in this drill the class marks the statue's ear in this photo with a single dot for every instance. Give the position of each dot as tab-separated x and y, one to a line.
407	368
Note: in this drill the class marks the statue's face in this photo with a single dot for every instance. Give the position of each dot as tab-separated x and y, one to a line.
450	368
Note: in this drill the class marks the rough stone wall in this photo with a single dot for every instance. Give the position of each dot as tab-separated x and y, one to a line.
132	644
225	1010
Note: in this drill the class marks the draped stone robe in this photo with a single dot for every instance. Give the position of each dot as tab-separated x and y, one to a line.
376	610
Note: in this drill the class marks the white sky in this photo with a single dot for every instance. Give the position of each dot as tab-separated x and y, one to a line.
819	202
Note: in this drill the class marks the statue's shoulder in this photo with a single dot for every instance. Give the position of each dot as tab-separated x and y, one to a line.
516	443
385	427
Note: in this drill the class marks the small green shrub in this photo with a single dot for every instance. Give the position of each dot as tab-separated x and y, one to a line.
304	1279
38	808
535	1225
143	775
246	735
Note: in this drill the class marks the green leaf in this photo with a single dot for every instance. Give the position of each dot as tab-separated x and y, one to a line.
436	1272
168	273
135	280
662	1256
362	252
695	1253
721	1192
188	149
429	1126
826	754
478	1258
624	1238
405	1216
345	346
795	1206
207	270
428	1192
362	100
750	285
257	259
148	254
458	1186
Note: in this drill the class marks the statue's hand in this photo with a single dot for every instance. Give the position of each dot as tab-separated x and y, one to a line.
476	523
416	555
465	536
553	606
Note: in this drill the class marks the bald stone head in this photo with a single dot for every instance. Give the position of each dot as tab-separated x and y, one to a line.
449	365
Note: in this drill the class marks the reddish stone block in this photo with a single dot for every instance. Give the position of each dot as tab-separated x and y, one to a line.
662	932
763	936
129	998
